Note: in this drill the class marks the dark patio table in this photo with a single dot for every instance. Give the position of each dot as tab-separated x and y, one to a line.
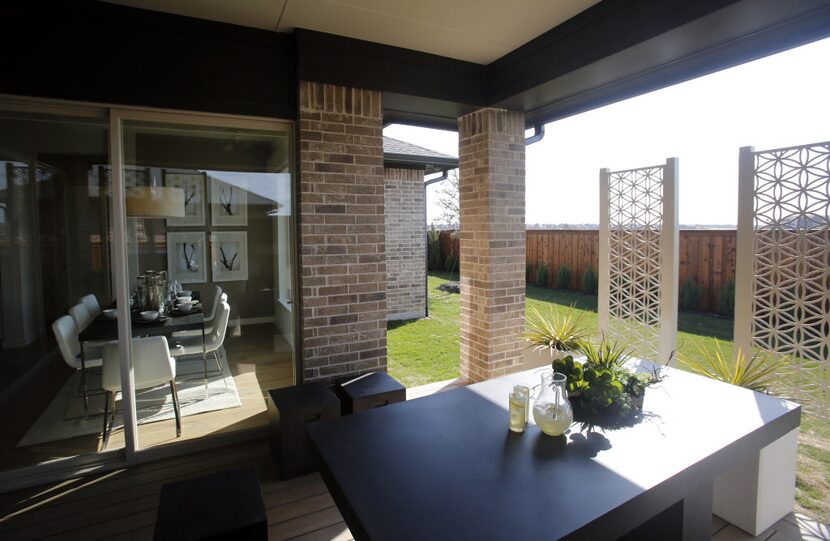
447	467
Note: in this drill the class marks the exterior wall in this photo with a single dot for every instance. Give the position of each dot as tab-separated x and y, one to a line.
405	200
492	201
342	239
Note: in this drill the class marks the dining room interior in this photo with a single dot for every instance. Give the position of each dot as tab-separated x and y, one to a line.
209	245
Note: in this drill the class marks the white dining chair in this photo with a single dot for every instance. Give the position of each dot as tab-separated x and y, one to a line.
91	303
218	298
80	313
66	334
152	366
192	345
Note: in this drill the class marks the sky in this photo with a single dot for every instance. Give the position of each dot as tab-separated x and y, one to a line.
778	101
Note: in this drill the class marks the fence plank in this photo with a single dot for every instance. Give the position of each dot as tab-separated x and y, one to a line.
707	257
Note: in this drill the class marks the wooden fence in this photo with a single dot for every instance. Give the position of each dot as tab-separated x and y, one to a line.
707	256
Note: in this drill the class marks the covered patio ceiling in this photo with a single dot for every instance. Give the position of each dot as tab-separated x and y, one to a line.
478	31
436	61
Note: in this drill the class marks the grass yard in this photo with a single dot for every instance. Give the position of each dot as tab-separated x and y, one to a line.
427	350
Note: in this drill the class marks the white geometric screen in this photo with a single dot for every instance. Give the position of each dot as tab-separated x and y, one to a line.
637	258
791	271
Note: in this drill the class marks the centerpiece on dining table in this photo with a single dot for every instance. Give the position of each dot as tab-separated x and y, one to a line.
156	298
589	382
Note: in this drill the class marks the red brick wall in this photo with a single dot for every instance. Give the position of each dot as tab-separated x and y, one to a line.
342	235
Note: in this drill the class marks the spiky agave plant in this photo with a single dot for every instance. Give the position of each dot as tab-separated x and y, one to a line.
553	331
757	373
606	354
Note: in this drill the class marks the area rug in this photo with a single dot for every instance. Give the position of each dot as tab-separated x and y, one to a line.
65	418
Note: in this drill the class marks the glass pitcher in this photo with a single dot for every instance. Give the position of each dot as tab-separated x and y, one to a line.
552	411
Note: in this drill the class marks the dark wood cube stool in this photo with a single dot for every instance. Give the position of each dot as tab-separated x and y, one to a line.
291	408
370	391
224	505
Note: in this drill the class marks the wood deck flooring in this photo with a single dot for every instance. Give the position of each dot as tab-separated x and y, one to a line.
122	504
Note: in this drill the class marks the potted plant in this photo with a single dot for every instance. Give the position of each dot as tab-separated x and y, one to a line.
602	391
554	335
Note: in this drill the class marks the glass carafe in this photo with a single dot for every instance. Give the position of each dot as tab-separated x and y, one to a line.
551	410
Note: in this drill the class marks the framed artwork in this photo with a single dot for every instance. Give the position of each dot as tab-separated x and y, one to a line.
193	185
187	257
229	255
228	204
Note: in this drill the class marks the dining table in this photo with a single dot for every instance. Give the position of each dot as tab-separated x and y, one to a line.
446	466
105	329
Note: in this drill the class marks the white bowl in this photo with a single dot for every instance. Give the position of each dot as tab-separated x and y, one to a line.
184	307
184	299
110	313
184	293
149	315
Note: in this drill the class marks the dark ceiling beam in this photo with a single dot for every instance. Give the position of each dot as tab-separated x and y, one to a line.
738	33
326	58
596	33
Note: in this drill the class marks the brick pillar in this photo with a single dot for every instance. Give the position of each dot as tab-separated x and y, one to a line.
405	199
342	237
492	199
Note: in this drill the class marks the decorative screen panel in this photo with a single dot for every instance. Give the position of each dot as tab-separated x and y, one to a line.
790	297
635	258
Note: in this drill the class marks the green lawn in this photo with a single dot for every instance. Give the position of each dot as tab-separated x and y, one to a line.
426	350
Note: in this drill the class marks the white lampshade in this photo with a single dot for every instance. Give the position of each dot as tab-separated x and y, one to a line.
155	202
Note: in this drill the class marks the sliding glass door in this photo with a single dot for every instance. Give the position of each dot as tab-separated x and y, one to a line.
146	278
55	280
208	246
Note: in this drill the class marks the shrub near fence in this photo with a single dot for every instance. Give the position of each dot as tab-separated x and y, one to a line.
707	256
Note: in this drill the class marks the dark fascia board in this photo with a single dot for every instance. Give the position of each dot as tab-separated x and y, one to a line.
603	29
101	52
327	58
739	33
426	112
410	160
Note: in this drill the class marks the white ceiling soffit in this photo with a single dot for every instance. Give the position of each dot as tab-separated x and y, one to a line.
474	30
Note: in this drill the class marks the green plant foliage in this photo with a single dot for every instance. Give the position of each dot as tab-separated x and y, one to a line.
542	274
451	264
690	294
589	280
607	354
433	249
758	373
726	299
572	370
554	332
563	277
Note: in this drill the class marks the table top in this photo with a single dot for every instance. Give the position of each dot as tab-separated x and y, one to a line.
446	465
103	328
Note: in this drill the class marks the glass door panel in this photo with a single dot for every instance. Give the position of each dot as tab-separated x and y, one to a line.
209	246
55	284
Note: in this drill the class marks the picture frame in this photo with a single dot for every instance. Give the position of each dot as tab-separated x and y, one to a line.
228	204
193	185
229	256
187	257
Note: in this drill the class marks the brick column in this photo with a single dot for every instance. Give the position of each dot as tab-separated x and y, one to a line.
342	237
492	199
405	198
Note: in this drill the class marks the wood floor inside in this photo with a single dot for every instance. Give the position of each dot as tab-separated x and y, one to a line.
259	358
